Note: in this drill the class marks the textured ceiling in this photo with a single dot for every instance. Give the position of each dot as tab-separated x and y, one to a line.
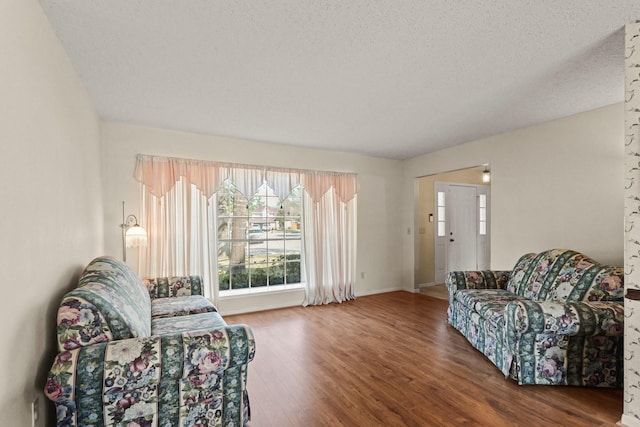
389	78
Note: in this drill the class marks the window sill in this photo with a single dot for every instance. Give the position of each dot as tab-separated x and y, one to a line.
261	290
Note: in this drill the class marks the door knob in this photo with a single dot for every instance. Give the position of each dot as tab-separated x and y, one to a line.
451	240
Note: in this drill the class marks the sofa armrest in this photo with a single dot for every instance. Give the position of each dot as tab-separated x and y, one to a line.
109	378
166	287
576	318
488	279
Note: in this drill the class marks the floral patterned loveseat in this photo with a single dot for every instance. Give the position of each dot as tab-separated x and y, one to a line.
156	355
556	318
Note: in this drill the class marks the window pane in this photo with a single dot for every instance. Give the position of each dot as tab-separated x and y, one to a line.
257	252
483	214
293	272
276	270
275	228
276	250
441	213
238	256
238	227
483	228
224	250
292	247
440	198
223	277
225	204
224	228
239	277
239	210
256	235
441	231
483	201
292	225
258	275
272	208
292	207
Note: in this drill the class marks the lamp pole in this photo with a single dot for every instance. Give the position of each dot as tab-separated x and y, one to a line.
124	231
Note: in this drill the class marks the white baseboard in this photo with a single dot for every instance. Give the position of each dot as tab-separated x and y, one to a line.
279	304
378	291
256	308
628	421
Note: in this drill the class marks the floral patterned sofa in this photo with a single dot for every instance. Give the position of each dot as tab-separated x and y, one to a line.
155	355
556	318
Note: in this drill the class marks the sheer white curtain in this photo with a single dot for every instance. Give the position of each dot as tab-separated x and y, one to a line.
329	229
178	210
181	231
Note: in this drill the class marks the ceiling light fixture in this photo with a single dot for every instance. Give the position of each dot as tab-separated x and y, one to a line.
486	175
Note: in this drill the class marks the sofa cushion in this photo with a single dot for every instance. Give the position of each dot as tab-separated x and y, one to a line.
488	303
470	297
520	270
180	306
194	322
541	272
565	275
163	287
110	303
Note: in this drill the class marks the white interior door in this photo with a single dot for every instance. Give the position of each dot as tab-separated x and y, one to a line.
461	228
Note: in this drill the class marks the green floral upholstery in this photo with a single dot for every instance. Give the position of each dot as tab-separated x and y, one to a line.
180	306
110	303
183	379
164	287
557	318
177	296
118	366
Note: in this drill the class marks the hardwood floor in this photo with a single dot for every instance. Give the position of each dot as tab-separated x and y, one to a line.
436	291
392	360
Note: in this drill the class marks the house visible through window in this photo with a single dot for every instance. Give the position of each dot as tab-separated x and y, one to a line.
258	239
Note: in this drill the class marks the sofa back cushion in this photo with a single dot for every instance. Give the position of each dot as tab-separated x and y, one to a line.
518	273
565	275
179	286
110	303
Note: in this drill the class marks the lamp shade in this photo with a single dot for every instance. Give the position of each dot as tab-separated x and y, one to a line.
486	176
136	236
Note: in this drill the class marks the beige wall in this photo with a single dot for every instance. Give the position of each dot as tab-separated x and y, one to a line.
379	196
51	199
425	258
557	184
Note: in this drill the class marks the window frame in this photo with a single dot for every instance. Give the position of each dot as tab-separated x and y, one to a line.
271	220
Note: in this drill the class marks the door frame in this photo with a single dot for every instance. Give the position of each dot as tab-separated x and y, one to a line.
441	242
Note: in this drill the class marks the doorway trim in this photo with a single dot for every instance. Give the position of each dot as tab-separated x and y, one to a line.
479	226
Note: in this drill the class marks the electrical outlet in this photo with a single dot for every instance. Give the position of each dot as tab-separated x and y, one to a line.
35	412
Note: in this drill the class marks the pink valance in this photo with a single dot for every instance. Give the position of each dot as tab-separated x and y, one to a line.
159	175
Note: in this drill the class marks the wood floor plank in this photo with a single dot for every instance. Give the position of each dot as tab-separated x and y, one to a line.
392	360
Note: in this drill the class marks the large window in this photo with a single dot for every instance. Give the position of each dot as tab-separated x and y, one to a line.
258	239
244	225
